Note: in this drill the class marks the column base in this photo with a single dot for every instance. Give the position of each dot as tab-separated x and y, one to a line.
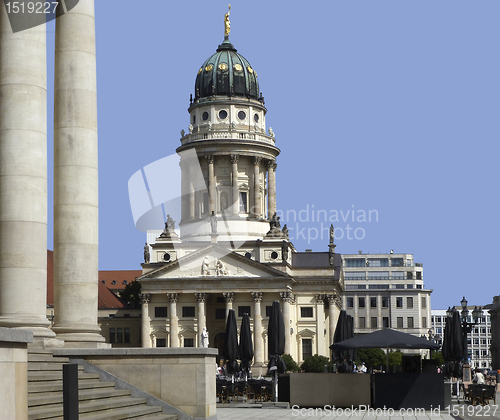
39	327
83	340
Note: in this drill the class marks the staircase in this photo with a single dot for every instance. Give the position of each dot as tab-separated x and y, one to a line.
97	400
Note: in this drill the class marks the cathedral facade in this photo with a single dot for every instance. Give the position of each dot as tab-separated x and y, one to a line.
232	251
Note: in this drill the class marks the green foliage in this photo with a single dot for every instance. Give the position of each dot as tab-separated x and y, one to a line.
316	364
291	365
395	358
132	294
372	358
438	357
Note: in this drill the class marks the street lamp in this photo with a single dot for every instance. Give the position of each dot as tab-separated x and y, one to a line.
464	315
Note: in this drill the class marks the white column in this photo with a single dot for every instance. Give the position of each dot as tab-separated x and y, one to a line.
235	187
271	174
286	297
192	213
75	179
379	311
211	184
228	297
256	188
145	320
201	297
23	178
174	320
258	356
320	326
356	314
368	319
333	315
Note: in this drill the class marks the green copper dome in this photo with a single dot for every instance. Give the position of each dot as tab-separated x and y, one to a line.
226	73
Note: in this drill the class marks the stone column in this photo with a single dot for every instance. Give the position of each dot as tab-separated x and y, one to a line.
256	210
271	174
320	325
235	186
145	320
258	355
174	320
356	314
379	311
332	316
184	191
211	184
75	179
368	321
228	297
23	178
191	199
286	298
202	322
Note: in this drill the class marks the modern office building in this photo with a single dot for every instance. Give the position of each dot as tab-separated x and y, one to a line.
386	291
478	340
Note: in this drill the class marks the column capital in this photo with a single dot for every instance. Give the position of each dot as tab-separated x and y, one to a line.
210	158
173	297
256	160
257	296
201	297
331	298
145	298
320	299
228	296
235	158
286	297
271	164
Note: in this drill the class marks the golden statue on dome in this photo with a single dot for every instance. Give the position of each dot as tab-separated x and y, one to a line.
227	24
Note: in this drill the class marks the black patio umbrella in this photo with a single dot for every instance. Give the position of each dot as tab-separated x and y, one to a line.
454	346
246	345
231	344
386	338
276	344
343	331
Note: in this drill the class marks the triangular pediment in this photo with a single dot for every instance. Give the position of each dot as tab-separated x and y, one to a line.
213	261
306	332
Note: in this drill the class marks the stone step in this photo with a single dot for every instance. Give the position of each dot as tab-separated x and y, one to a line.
46	359
44	366
49	376
108	405
34	387
46	398
123	413
160	417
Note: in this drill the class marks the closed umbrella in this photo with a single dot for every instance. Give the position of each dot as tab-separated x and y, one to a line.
231	344
276	344
343	331
454	345
246	345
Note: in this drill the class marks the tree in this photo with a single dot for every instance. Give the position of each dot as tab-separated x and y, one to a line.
372	357
438	357
395	358
132	294
316	364
291	365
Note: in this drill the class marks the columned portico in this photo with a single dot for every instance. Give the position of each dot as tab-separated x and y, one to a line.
257	329
145	320
286	298
271	175
332	318
174	320
320	323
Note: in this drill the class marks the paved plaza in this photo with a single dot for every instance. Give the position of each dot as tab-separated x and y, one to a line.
455	412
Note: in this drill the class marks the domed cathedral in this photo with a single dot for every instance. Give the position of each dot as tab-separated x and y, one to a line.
232	252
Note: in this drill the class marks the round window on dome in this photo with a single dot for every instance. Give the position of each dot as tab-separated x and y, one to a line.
256	118
223	114
274	255
166	256
242	115
205	116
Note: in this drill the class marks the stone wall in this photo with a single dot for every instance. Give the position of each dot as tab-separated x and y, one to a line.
182	377
14	373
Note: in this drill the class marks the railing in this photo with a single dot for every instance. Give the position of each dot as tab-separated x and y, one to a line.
232	135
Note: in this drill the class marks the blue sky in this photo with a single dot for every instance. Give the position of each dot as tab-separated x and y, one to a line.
390	106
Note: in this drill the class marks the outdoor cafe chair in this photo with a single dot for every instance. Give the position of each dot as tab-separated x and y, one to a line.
489	393
476	394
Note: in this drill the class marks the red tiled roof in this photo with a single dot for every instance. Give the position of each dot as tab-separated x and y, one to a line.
109	280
